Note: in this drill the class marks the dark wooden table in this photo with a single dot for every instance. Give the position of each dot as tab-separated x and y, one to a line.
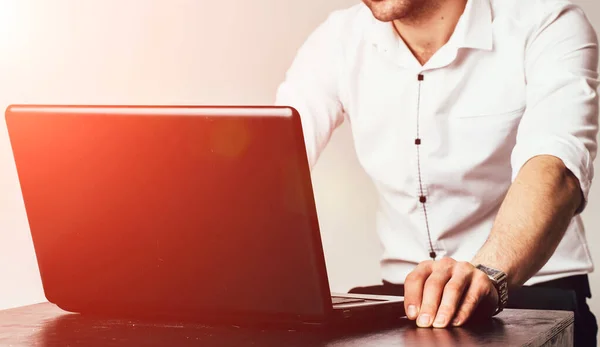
47	325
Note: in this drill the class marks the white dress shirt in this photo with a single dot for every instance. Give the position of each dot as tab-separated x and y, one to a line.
516	79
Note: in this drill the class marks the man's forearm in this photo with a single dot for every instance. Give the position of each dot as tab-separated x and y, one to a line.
532	219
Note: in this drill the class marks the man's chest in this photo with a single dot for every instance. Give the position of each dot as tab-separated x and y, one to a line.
455	120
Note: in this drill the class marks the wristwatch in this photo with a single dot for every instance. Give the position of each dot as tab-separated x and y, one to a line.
500	282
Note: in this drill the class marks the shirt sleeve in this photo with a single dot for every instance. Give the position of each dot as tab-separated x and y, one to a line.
561	118
311	86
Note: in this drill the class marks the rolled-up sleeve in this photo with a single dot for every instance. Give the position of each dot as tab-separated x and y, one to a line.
311	86
561	118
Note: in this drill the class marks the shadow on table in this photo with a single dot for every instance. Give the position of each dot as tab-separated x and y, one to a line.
81	330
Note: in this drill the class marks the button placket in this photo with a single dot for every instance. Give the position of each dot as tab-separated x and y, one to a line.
422	194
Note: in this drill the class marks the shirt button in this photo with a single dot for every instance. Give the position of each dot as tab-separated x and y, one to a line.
423	199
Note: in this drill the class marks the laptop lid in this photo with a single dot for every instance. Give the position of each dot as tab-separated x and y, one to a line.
204	210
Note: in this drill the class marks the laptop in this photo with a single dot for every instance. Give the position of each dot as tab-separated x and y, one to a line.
187	212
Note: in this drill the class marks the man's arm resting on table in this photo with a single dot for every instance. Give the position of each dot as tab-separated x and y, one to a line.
532	220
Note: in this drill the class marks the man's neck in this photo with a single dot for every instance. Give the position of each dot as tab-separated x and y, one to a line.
430	28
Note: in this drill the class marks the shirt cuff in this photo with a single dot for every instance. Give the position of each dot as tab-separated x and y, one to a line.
573	154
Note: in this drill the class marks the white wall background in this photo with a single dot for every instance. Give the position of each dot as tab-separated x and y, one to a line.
183	52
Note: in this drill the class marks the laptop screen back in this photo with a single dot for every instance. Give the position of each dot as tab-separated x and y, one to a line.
203	210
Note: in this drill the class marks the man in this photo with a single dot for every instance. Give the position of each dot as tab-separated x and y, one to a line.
477	121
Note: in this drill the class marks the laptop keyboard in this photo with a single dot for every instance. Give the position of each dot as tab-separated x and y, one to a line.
337	300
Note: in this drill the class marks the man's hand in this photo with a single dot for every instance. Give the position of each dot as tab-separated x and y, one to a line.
447	293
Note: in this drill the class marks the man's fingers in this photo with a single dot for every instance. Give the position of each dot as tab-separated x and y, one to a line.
478	289
413	289
452	295
432	296
445	292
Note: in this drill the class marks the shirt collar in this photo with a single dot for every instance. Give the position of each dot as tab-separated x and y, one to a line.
473	30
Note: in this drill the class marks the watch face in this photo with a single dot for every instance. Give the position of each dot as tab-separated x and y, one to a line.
490	271
493	273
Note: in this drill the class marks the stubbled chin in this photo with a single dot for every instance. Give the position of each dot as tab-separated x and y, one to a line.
382	11
383	17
